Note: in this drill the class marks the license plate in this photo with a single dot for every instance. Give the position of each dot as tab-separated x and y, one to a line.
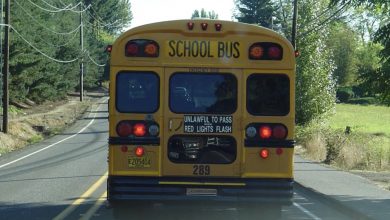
139	162
201	192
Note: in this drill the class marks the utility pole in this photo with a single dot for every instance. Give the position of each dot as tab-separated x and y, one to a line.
6	67
82	54
294	24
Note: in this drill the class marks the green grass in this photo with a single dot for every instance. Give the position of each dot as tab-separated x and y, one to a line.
362	119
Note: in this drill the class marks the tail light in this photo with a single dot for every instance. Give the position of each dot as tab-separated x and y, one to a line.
265	51
266	131
139	151
109	48
264	153
139	130
130	128
142	48
124	129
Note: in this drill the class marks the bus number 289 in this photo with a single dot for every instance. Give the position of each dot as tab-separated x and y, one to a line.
201	170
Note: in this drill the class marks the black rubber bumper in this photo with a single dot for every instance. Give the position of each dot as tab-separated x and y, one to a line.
226	189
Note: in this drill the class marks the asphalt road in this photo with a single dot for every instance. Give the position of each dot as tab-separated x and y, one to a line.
64	177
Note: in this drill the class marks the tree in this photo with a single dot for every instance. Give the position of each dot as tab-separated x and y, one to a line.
204	14
382	35
315	84
260	12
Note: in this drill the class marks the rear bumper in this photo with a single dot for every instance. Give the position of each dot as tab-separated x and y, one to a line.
215	189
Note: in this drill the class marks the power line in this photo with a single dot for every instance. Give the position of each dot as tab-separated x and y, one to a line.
67	8
38	50
42	25
93	61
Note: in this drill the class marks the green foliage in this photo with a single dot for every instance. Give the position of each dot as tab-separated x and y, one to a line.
204	14
315	86
46	67
342	41
260	12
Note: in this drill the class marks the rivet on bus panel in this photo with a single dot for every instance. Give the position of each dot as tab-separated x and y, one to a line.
124	148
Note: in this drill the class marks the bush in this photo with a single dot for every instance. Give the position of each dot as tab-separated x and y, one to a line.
343	94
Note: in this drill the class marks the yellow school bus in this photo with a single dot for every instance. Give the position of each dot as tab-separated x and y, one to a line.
201	110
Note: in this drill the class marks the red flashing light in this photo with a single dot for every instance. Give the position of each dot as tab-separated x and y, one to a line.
274	53
124	149
279	132
264	153
204	26
132	49
139	130
124	129
139	151
218	27
265	132
190	25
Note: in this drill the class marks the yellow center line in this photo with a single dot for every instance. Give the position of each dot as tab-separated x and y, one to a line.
82	198
95	207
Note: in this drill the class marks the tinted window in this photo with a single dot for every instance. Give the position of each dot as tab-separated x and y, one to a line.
203	93
137	92
268	94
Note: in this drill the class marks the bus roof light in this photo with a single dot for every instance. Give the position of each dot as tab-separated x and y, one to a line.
190	25
204	26
139	130
265	132
218	27
264	153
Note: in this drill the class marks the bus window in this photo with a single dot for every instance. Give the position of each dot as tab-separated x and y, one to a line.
137	92
212	93
268	94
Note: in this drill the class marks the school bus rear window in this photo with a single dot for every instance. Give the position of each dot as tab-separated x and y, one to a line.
212	93
137	92
268	94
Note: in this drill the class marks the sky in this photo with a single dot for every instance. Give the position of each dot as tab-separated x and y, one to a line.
149	11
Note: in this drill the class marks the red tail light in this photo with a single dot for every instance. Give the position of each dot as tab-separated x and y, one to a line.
142	48
265	51
109	48
265	132
124	129
264	153
139	151
256	52
151	50
131	49
139	130
279	132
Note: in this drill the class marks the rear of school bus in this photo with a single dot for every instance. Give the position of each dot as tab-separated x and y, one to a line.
201	110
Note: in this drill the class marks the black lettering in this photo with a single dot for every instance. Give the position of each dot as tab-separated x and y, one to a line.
221	49
195	170
187	48
201	170
236	50
195	49
228	49
178	48
172	53
203	48
209	50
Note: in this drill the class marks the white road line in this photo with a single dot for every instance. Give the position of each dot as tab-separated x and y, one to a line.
45	148
307	212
